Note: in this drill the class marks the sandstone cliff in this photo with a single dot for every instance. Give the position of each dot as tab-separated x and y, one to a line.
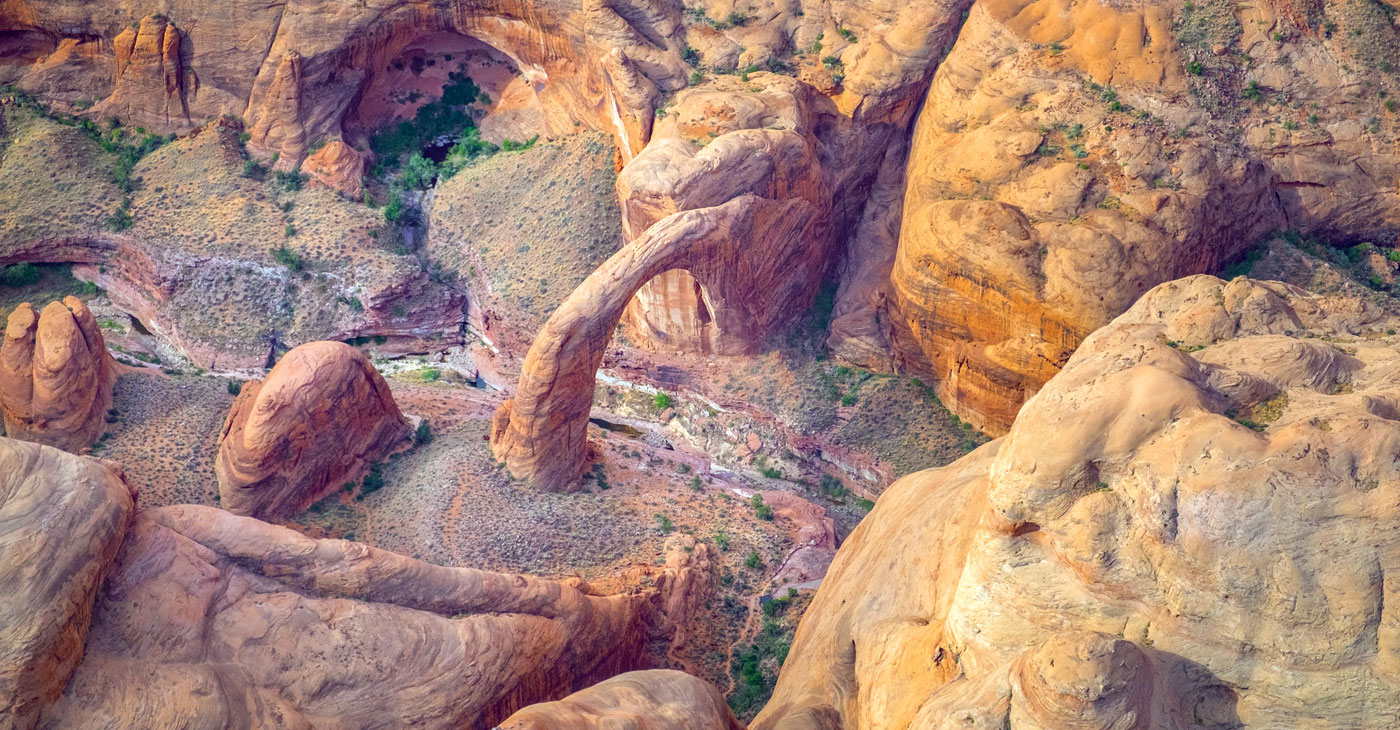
1186	527
62	518
56	376
1072	154
322	416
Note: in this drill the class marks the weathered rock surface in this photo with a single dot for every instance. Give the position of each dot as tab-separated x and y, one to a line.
1073	154
152	84
1188	526
56	376
339	167
322	416
658	699
210	620
62	518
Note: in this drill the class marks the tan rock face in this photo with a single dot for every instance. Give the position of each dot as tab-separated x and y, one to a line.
339	167
1188	526
56	376
1071	155
62	518
321	417
659	699
211	620
152	84
675	311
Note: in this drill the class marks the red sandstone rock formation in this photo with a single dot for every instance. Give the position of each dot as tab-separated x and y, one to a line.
62	518
322	416
658	699
1188	526
339	167
210	620
56	376
749	254
152	84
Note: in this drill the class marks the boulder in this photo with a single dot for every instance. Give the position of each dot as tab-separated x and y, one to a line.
658	699
56	376
321	417
62	518
1189	526
339	167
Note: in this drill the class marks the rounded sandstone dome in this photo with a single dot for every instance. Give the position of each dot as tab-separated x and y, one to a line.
56	376
322	416
1086	680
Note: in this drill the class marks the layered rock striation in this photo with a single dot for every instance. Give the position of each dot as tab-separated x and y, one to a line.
658	699
321	417
211	620
1186	527
62	518
56	376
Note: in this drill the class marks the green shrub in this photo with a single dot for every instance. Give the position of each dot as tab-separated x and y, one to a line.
289	258
373	482
510	145
396	211
234	387
446	116
752	561
763	511
289	181
468	148
420	173
664	524
21	274
662	401
423	434
722	541
832	488
120	220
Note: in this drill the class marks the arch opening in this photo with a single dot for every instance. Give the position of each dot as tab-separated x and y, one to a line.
673	311
755	259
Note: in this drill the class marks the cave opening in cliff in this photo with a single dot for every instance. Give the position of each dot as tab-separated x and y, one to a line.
443	91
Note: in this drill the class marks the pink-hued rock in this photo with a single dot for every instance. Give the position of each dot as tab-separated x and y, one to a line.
211	620
56	376
62	518
322	416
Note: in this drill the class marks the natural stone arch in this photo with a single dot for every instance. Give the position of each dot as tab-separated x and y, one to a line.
759	263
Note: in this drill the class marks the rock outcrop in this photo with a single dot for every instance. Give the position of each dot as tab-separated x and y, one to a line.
339	167
56	376
322	416
210	620
152	84
62	518
1071	155
1188	526
658	699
